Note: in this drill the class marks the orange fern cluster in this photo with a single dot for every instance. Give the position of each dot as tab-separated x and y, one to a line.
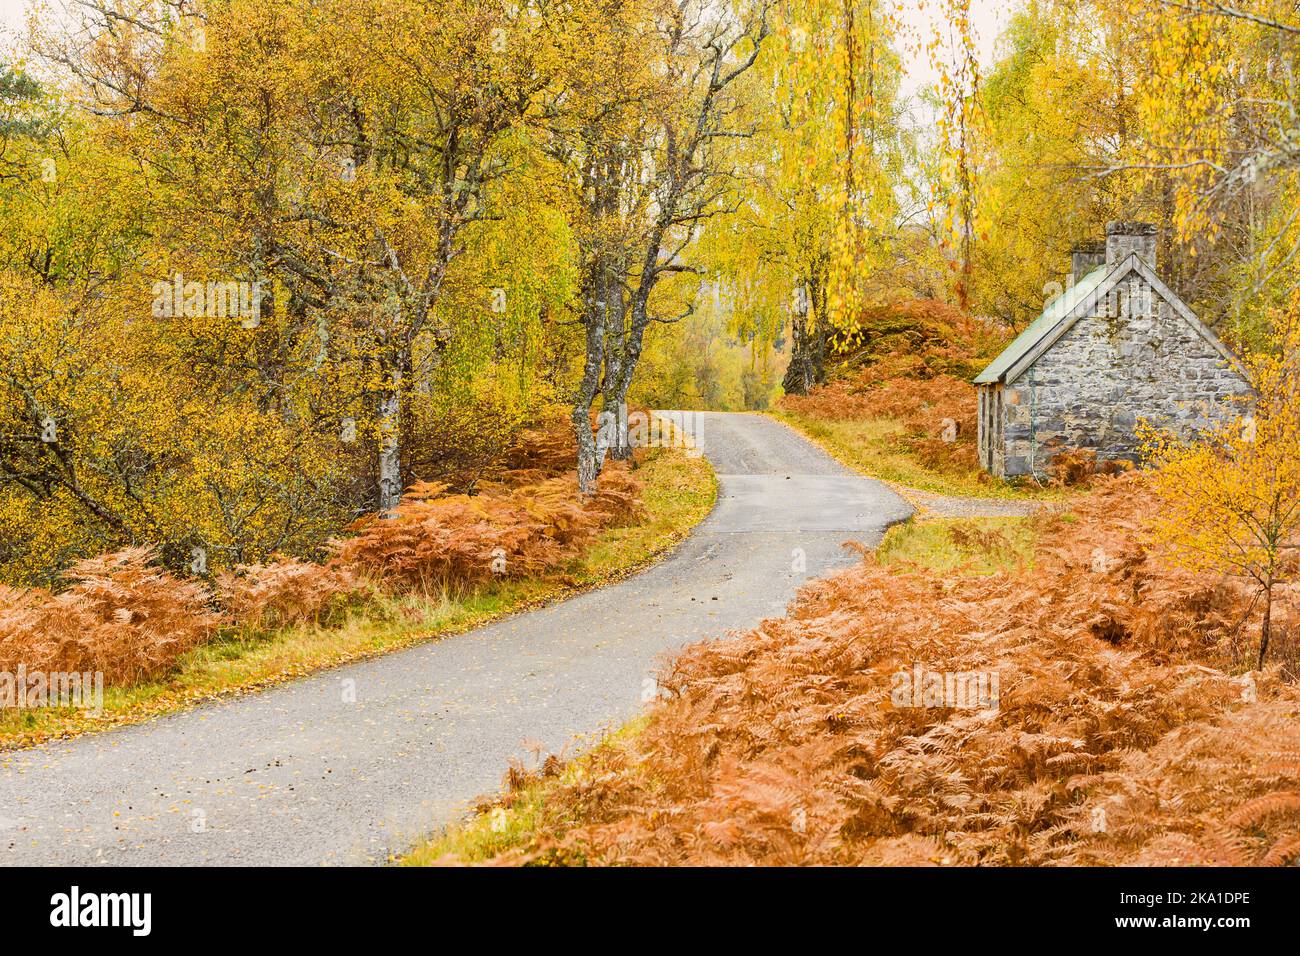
1079	467
1213	793
1119	587
438	540
545	451
286	592
121	615
790	745
916	338
908	362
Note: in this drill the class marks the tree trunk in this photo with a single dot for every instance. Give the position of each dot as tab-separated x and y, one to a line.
390	445
588	456
620	364
1268	622
621	450
618	386
811	334
807	367
618	446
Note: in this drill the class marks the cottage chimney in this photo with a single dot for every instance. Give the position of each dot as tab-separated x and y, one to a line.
1125	237
1085	257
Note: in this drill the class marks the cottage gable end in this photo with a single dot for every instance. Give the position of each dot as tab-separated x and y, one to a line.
1090	303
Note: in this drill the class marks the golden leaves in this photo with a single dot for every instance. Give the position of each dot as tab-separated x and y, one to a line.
1233	494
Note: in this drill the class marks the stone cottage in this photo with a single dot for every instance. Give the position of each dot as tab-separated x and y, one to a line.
1118	347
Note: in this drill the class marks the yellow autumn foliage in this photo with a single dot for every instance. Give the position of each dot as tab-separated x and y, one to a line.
1232	495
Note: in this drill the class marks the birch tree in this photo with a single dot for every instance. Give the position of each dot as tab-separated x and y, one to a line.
646	164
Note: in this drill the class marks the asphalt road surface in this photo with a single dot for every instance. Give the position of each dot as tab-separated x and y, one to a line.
355	763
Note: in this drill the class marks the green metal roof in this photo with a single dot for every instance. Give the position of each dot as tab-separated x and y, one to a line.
1061	306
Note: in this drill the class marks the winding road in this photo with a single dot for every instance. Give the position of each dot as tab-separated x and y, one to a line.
353	764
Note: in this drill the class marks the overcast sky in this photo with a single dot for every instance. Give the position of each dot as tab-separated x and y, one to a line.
989	18
11	13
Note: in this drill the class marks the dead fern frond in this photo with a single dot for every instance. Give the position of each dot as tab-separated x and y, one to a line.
1283	852
287	592
1255	811
438	540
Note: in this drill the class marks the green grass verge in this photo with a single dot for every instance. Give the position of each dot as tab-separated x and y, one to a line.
960	545
515	819
870	446
679	493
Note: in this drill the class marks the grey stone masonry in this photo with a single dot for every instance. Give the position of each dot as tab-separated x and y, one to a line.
1085	257
1133	358
1125	237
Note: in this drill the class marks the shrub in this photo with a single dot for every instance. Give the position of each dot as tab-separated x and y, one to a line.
1079	467
923	407
123	615
460	441
916	338
969	536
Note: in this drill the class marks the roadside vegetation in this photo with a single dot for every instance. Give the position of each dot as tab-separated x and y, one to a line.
528	805
499	826
960	545
164	643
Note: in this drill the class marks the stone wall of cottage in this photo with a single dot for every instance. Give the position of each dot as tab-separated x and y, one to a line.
1134	358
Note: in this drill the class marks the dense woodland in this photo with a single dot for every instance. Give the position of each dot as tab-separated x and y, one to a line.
265	265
